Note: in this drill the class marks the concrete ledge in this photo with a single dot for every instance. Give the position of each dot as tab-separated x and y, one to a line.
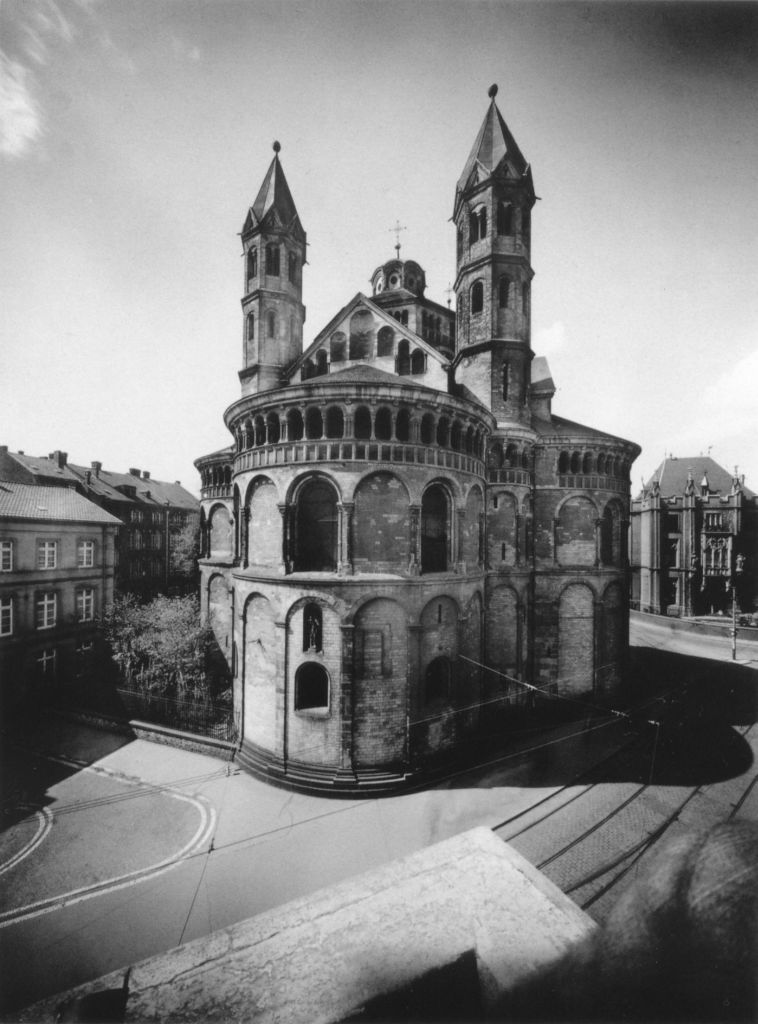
319	958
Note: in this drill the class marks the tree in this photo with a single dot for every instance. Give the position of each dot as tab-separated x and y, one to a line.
185	549
160	647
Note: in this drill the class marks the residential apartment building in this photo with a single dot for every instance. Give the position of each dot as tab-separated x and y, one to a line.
154	515
56	577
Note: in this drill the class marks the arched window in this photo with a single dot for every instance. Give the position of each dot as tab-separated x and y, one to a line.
312	627
248	438
272	428
427	428
272	260
434	530
404	317
601	463
403	358
292	268
307	370
251	326
587	462
504	292
473	228
362	423
511	455
495	456
525	459
482	222
504	219
437	679
526	225
385	342
294	425
361	334
456	436
314	425
403	425
383	424
311	687
443	431
418	361
337	347
271	324
335	422
316	528
563	463
260	430
252	263
470	441
321	363
477	297
575	462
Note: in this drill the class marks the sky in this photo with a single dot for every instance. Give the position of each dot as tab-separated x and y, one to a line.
135	135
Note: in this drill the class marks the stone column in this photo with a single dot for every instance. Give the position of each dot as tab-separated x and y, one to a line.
519	525
345	537
286	560
246	536
346	709
598	542
456	552
414	539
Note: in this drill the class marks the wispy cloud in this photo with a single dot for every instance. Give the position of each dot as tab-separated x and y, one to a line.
20	115
30	39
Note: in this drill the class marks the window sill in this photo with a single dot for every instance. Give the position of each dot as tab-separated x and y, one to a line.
313	712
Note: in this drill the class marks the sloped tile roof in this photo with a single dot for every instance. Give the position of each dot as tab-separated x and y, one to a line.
673	472
559	427
50	504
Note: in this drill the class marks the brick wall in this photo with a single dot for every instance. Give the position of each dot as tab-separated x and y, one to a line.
501	531
380	683
380	524
262	668
576	532
576	639
265	527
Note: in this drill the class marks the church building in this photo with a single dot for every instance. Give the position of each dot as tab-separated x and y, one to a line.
402	535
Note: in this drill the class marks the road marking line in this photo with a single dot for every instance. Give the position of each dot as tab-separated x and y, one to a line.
45	823
200	838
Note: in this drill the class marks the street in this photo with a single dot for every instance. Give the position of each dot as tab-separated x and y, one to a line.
118	849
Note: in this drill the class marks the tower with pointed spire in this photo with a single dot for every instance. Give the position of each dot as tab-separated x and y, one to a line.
273	314
492	214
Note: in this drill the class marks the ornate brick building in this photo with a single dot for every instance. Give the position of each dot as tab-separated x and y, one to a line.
402	532
694	534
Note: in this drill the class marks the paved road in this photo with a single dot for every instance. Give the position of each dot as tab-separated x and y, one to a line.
106	863
659	634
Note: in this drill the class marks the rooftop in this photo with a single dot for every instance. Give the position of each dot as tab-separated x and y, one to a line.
50	504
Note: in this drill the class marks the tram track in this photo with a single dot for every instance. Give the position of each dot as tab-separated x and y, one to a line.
563	865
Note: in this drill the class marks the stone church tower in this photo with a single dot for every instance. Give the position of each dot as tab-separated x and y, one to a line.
403	540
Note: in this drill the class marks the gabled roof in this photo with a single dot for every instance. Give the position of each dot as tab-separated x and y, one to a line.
43	468
274	202
493	147
359	299
673	473
50	504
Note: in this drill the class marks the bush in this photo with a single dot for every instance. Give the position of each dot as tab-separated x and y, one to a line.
160	648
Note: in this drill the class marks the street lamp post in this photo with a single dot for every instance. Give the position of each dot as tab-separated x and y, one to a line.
739	568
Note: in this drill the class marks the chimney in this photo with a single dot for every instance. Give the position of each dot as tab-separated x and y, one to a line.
88	476
134	472
145	474
96	467
60	458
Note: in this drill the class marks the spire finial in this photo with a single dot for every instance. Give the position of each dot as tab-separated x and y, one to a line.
277	146
492	92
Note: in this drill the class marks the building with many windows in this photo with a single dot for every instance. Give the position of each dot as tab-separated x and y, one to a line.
56	577
155	516
403	534
694	534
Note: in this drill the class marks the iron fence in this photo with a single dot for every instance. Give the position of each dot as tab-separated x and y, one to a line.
202	717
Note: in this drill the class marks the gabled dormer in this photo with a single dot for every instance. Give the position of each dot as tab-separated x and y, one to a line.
274	252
